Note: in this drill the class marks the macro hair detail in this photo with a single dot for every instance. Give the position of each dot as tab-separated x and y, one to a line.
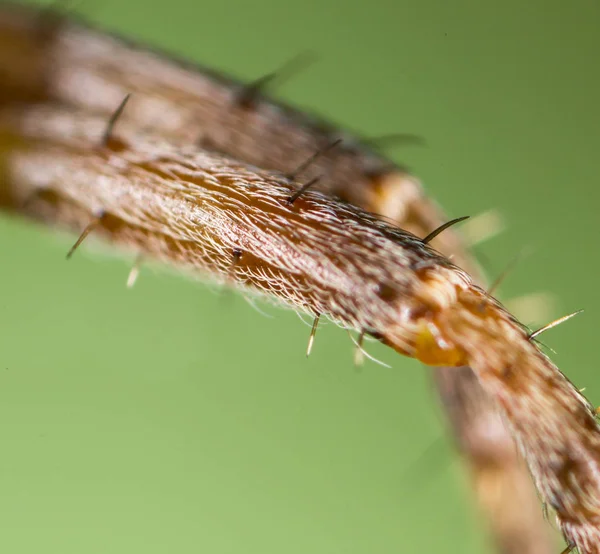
203	173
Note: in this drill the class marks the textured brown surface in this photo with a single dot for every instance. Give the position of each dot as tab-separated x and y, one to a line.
207	213
72	65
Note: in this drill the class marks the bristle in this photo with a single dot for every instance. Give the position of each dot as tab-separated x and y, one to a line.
108	133
442	228
135	271
553	324
293	175
88	229
292	198
313	332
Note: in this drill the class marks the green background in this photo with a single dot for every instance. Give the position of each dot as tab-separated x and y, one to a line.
175	418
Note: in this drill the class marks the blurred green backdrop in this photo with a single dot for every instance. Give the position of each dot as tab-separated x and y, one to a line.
172	418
